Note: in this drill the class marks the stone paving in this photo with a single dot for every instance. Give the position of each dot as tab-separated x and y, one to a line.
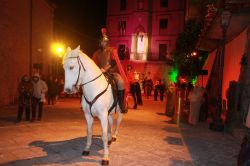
146	138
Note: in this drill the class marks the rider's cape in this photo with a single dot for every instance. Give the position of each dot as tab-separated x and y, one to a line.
113	56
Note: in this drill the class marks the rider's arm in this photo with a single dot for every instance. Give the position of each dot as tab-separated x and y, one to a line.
109	66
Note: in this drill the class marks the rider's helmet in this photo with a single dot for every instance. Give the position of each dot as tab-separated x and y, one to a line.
104	41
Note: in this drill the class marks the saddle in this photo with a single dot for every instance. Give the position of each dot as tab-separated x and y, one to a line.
111	80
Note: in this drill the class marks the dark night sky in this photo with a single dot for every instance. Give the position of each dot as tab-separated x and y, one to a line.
78	22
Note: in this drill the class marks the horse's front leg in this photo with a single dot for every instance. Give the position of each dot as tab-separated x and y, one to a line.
89	120
104	123
119	119
110	117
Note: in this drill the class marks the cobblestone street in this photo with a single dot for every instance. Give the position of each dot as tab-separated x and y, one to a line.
146	138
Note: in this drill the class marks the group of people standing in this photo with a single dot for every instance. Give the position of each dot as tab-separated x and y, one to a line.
146	84
188	102
31	96
33	92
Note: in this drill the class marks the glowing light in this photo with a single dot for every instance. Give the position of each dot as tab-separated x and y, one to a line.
173	74
194	80
57	49
194	53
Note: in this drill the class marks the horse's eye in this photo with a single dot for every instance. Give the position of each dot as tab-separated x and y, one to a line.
71	67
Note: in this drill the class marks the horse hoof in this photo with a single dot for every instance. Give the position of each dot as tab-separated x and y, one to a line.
85	153
113	139
105	162
110	142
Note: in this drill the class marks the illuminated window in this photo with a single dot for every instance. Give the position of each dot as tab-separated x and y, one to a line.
123	4
162	52
139	46
140	43
163	23
164	3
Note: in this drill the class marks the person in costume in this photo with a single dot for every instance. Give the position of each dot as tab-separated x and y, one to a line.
107	60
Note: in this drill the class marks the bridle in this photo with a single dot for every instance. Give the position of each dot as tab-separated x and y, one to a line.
80	64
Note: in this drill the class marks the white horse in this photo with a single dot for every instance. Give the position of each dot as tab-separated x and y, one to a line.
97	99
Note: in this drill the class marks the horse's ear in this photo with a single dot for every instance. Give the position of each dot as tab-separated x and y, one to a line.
78	48
68	49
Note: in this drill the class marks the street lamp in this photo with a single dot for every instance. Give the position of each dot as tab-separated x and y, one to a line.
225	21
58	50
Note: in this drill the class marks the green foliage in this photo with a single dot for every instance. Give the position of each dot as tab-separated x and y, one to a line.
187	39
187	65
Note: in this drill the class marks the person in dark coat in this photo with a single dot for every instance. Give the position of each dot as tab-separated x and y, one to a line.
52	90
148	85
138	93
24	98
156	90
161	89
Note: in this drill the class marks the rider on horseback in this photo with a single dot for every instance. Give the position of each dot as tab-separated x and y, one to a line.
107	59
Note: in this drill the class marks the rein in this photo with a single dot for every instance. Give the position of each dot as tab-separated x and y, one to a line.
91	80
80	65
94	100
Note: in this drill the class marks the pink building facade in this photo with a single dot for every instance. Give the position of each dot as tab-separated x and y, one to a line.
145	32
27	32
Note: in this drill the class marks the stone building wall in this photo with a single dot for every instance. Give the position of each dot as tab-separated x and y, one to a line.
15	45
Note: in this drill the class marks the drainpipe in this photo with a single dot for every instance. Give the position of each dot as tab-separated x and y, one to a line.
30	38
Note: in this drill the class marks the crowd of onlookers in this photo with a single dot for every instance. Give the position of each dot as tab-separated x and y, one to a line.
187	103
33	92
184	102
144	84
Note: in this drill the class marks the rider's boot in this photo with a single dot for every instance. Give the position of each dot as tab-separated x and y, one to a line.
121	94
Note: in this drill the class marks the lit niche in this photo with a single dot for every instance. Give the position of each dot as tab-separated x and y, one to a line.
139	46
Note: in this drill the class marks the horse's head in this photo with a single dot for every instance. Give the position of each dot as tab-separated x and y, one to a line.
71	67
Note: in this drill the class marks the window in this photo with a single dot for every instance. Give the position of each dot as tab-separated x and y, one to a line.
121	51
162	52
140	4
164	3
163	23
123	4
122	27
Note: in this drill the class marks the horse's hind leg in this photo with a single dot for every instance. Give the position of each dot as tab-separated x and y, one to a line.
104	123
119	119
89	120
